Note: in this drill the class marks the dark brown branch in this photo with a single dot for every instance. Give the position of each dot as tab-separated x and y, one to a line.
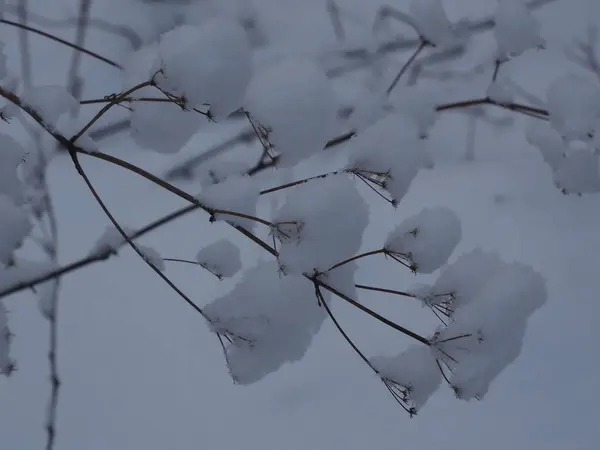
370	312
94	258
100	202
386	291
405	67
354	258
61	41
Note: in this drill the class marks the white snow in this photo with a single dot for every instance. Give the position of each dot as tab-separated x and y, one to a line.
499	92
11	156
152	257
431	21
207	64
50	102
426	241
276	317
415	370
237	194
294	100
221	258
463	279
579	172
574	105
163	127
515	29
315	232
496	323
110	241
389	146
14	228
549	142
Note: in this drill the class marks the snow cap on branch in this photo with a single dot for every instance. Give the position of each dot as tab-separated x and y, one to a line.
415	371
294	106
237	194
162	127
271	320
574	106
320	224
391	152
222	258
486	334
209	64
426	241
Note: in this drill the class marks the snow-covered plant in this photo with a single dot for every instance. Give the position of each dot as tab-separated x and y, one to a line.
322	161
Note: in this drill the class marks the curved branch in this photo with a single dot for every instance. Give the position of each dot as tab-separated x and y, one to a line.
62	41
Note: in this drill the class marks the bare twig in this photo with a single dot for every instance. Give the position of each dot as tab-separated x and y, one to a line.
405	67
385	291
74	82
100	202
62	41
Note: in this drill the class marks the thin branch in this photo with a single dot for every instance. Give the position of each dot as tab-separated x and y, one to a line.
370	312
114	101
405	67
74	82
299	182
97	257
184	261
100	24
100	202
354	258
61	41
322	302
386	291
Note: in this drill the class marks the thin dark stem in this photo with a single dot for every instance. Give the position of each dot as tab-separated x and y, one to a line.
299	182
114	101
386	291
497	64
354	258
64	270
405	67
185	261
126	165
61	41
100	202
322	302
95	101
73	79
372	313
242	215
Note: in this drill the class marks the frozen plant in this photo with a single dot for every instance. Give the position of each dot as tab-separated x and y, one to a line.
341	159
